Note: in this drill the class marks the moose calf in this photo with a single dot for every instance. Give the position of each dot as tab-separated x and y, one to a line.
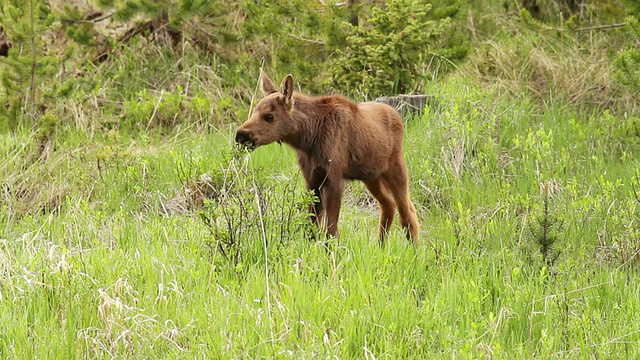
335	140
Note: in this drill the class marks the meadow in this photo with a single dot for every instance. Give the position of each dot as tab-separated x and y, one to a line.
136	229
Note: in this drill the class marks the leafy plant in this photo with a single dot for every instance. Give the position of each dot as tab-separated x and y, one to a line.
244	211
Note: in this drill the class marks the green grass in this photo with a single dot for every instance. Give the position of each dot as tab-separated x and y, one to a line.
104	258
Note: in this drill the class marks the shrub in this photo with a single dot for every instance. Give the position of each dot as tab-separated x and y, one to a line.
546	228
387	55
627	63
246	212
31	72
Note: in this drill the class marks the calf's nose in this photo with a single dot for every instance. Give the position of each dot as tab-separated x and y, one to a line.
243	137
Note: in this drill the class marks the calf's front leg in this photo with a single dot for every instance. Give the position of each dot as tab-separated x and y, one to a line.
315	179
332	198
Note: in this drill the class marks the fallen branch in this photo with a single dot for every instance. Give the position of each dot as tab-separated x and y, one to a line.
336	4
94	20
199	28
601	27
588	28
312	41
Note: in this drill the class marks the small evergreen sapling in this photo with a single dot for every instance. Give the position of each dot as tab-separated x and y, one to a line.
627	63
30	72
389	53
545	229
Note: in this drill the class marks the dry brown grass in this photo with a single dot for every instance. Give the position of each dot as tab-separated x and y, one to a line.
548	65
31	184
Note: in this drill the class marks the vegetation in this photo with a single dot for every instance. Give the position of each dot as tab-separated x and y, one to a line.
130	226
627	63
385	56
29	66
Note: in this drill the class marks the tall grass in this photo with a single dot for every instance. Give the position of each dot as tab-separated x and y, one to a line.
550	62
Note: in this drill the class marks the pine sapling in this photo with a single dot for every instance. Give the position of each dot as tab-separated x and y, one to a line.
546	228
30	74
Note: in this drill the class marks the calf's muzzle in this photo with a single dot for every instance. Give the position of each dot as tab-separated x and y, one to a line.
244	137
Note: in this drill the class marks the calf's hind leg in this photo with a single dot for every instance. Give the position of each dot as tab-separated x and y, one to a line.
387	205
398	181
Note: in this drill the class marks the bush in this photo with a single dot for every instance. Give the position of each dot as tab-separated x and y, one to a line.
627	63
387	55
31	73
245	212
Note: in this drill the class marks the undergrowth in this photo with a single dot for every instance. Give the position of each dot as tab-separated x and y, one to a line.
551	65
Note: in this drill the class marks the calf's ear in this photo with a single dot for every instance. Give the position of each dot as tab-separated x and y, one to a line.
286	89
267	85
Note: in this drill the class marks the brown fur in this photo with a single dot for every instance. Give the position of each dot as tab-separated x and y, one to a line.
336	139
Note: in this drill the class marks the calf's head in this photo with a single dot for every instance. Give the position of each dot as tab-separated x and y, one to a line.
271	119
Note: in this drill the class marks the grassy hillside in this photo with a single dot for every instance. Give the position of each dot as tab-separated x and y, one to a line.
130	226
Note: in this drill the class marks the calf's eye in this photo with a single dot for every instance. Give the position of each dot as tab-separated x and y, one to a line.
268	118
